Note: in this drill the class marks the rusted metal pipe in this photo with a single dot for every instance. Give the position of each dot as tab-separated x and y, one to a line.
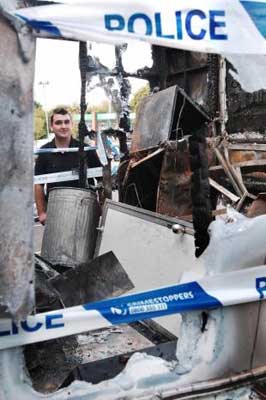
213	386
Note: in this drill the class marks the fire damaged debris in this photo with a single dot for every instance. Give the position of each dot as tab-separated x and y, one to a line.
167	115
236	172
46	362
196	73
144	337
197	364
242	175
174	191
46	297
246	111
257	207
200	190
167	170
250	158
142	180
109	80
49	363
103	277
153	127
189	116
260	389
97	371
241	167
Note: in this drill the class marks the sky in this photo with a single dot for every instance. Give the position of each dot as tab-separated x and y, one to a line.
57	76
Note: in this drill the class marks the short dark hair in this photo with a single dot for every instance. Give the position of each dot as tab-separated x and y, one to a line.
59	110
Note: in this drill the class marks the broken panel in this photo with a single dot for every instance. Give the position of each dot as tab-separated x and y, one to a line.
188	116
166	115
142	180
101	278
50	362
174	191
154	119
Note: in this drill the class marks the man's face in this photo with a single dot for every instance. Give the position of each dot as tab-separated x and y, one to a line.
62	126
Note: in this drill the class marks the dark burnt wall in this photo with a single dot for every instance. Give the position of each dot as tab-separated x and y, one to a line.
196	73
246	111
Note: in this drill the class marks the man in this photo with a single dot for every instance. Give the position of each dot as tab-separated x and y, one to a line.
61	125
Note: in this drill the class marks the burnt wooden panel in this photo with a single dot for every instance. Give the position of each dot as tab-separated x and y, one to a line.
174	192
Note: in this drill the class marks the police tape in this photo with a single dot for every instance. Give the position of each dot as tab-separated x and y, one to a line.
99	149
209	293
66	176
219	26
62	150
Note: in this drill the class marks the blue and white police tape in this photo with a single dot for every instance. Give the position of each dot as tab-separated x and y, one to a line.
217	291
66	176
219	26
99	149
62	150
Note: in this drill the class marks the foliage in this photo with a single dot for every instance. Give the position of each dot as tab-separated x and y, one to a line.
73	108
138	96
40	130
102	107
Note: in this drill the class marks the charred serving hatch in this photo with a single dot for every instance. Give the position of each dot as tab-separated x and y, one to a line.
167	115
168	157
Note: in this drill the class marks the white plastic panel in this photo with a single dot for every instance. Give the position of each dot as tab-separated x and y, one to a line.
152	255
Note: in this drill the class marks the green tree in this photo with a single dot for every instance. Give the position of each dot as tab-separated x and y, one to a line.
102	107
73	108
40	130
138	96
